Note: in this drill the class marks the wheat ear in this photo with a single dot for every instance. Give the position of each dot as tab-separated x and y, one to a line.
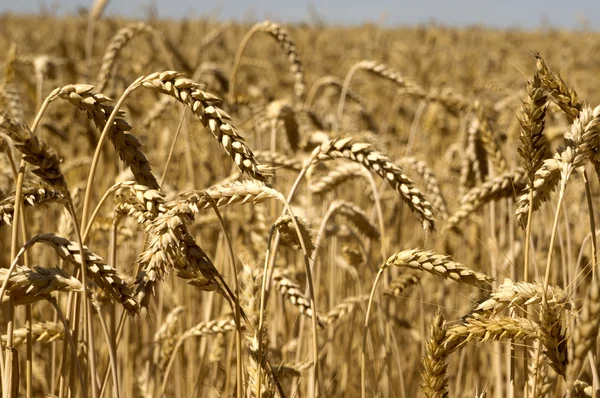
26	286
106	277
42	332
98	111
438	265
204	105
498	328
433	189
382	166
32	196
434	373
114	48
35	152
506	185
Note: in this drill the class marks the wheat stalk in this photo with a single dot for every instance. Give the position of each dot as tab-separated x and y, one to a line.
291	290
490	140
355	216
545	181
378	69
166	337
224	195
533	141
561	93
9	95
584	334
209	328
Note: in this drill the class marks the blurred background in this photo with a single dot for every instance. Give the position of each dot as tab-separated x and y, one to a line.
500	14
441	94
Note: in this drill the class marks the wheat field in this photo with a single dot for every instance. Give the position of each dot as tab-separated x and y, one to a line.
205	209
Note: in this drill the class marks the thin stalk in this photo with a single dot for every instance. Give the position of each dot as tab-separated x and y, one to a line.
340	110
595	378
312	93
270	257
113	316
269	262
87	318
263	298
101	141
65	373
108	192
53	359
7	371
588	195
236	62
236	304
561	196
177	133
363	385
526	278
119	334
313	261
413	127
549	262
112	351
71	342
189	158
277	236
29	365
497	346
228	375
8	389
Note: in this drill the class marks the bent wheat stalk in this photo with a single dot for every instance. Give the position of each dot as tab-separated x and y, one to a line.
287	45
116	45
377	69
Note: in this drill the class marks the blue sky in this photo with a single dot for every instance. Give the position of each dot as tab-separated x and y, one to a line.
496	13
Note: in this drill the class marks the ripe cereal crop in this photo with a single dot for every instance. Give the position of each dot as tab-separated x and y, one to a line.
203	209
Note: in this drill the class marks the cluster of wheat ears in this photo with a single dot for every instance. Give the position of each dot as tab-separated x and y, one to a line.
401	226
